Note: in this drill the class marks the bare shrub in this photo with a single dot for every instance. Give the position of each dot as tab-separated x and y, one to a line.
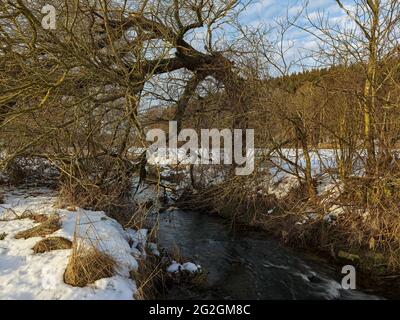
373	193
30	170
16	174
100	184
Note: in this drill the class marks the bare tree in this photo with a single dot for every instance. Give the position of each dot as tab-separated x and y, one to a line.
72	95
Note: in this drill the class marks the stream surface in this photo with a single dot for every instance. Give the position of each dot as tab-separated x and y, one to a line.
247	264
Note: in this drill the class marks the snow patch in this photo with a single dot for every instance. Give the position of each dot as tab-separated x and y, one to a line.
25	275
176	267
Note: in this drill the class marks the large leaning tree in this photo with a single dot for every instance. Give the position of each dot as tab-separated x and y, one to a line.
72	95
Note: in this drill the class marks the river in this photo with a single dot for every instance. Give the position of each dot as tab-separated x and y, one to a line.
247	264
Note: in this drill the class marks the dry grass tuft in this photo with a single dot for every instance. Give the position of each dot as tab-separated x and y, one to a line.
51	225
51	244
87	265
191	280
3	236
174	254
38	218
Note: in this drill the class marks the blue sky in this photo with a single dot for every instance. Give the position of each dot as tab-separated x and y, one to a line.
266	12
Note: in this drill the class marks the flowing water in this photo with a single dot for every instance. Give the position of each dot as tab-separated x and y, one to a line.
247	265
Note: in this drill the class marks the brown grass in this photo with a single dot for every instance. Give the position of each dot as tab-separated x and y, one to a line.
149	278
51	244
38	218
193	280
174	254
153	282
87	265
51	225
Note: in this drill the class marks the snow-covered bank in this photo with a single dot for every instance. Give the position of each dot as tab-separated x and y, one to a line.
25	275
